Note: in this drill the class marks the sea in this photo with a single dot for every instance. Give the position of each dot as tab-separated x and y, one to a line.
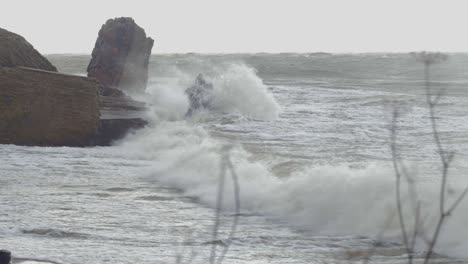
309	138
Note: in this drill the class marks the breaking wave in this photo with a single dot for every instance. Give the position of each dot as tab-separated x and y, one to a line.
341	199
236	90
327	200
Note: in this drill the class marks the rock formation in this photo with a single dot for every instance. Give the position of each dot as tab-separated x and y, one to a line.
5	256
119	115
16	51
44	108
200	95
121	55
41	107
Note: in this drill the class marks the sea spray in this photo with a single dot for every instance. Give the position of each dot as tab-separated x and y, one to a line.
326	200
237	90
319	170
334	199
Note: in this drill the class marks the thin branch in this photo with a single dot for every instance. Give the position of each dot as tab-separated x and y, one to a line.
219	204
412	190
416	227
225	164
444	158
398	186
235	180
434	239
458	201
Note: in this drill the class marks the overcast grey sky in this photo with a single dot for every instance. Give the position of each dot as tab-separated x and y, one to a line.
61	26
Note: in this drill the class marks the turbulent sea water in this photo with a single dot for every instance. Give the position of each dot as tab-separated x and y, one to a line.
310	143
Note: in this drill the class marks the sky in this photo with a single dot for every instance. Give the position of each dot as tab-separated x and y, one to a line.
238	26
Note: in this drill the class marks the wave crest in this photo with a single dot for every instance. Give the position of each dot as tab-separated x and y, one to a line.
237	90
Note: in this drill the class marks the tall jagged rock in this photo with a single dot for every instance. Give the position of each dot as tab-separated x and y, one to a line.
43	108
16	51
121	55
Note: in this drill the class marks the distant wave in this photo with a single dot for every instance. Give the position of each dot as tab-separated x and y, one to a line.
27	260
51	232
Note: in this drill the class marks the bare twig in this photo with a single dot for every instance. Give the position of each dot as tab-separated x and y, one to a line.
416	227
457	202
226	164
401	219
446	158
235	180
219	204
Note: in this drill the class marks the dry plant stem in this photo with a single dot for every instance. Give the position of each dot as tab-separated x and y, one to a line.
398	188
235	180
445	159
435	132
458	201
412	191
226	165
219	204
417	224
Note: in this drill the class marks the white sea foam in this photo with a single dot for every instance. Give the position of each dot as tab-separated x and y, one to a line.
237	90
327	199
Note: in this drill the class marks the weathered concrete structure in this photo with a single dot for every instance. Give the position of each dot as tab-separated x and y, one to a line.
44	108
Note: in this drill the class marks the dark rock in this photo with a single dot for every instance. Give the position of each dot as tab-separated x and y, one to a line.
115	106
119	115
44	108
16	51
5	256
121	55
111	130
113	92
200	95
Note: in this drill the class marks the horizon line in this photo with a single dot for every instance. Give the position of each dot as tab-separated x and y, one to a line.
274	53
